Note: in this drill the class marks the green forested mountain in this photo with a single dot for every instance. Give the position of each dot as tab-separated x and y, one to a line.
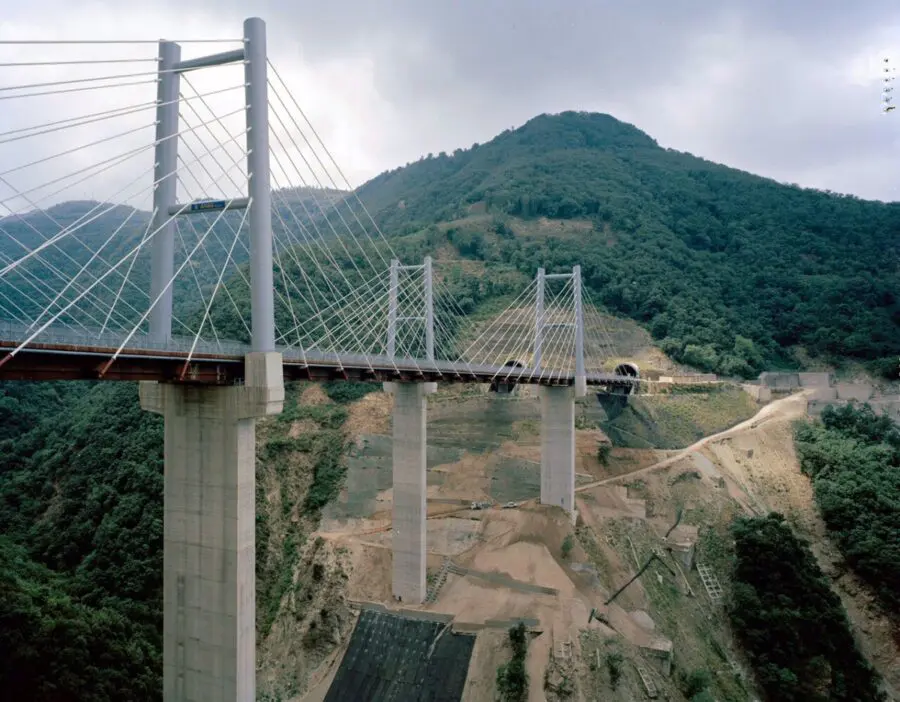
707	256
82	240
81	546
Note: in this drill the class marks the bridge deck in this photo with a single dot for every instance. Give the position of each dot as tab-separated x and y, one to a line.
64	355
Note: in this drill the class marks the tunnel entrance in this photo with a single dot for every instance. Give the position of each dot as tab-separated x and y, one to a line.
629	369
505	387
614	390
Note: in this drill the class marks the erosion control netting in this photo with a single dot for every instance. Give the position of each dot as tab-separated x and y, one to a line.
395	659
369	472
514	479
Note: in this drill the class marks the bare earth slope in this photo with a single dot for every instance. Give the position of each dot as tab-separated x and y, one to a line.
532	564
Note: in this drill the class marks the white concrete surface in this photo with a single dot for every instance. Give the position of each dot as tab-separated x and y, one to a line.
818	386
814	380
780	381
209	552
409	478
760	393
861	392
558	447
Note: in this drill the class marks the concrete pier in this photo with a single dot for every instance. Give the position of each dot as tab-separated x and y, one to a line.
209	556
409	478
558	447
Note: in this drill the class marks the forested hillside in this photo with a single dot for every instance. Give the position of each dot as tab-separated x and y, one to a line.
853	459
791	624
730	271
81	551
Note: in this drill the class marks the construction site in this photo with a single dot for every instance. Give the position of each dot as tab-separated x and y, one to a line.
619	602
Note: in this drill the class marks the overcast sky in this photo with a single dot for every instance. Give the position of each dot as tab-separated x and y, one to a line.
789	89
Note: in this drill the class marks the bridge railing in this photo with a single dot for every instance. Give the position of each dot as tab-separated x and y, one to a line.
12	331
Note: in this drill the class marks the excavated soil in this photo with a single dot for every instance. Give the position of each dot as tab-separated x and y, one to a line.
624	510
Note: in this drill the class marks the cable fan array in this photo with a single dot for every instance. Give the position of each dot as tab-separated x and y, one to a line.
541	339
79	232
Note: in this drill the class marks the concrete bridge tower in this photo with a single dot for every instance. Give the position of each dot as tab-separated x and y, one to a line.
408	537
209	552
558	403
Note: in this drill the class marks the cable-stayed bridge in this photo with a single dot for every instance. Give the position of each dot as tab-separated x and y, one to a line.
172	216
202	220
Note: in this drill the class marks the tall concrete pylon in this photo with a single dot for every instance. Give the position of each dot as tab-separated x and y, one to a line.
539	319
164	191
427	317
393	295
409	477
428	292
558	403
409	470
209	551
540	322
558	446
580	375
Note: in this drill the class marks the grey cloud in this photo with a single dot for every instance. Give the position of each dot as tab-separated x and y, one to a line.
458	72
491	65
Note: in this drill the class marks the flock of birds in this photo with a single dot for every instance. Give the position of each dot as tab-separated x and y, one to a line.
888	88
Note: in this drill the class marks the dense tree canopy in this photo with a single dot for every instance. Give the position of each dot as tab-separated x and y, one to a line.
853	458
81	511
789	621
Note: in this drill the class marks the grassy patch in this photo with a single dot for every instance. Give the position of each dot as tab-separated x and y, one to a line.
678	420
301	474
328	471
346	392
273	589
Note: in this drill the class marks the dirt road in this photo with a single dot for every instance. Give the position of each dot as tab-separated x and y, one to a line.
788	407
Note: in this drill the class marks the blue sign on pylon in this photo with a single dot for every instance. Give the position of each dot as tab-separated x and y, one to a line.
208	205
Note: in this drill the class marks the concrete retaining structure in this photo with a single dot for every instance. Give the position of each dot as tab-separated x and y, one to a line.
780	382
822	394
819	386
760	393
815	380
822	390
660	652
689	379
683	541
887	405
860	392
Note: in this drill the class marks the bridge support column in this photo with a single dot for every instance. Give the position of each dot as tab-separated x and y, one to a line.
209	551
409	479
558	447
